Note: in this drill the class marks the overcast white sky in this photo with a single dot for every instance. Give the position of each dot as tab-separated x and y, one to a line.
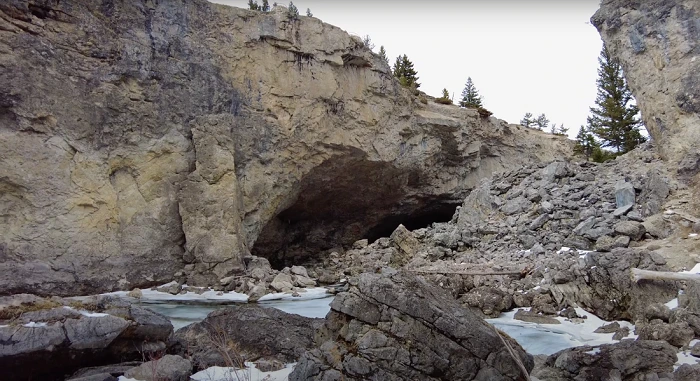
524	56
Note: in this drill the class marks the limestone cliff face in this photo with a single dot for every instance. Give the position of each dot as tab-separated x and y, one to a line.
658	44
144	140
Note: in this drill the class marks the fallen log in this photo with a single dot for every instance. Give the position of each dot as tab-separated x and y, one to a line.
638	274
457	272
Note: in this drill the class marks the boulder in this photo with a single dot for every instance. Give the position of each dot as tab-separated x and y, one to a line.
257	331
489	301
166	368
624	194
282	282
407	244
396	326
626	360
76	335
603	284
631	229
677	334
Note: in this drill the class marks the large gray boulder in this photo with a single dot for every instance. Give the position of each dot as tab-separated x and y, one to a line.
64	336
257	331
166	368
626	360
399	327
601	283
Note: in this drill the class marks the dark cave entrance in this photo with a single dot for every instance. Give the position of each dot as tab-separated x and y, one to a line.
346	199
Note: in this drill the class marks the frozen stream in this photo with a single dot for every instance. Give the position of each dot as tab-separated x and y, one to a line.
184	314
535	338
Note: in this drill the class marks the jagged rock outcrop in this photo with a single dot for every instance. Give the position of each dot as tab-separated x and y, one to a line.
258	333
396	326
626	360
65	335
143	139
658	44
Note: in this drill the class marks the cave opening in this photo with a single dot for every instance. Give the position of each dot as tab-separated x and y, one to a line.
345	199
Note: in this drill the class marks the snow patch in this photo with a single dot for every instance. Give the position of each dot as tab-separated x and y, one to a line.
217	373
310	293
672	304
32	324
694	270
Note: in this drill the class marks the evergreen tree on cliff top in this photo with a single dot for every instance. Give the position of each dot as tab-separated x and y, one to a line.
382	54
470	95
614	118
404	71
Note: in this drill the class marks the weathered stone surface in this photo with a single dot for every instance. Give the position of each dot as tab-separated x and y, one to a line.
64	339
166	368
626	360
632	229
407	244
657	45
533	317
258	332
624	194
676	334
179	136
396	327
607	290
282	282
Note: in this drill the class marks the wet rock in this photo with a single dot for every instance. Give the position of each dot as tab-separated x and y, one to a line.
167	368
397	326
258	332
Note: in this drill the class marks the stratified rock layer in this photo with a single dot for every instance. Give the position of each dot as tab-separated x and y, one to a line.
658	44
398	327
140	139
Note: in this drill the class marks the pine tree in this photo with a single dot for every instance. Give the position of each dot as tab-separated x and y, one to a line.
585	143
445	98
367	40
253	5
404	71
470	95
614	119
382	54
560	130
527	120
541	122
292	11
308	12
265	6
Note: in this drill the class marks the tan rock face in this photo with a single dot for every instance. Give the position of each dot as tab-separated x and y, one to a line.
140	140
658	44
